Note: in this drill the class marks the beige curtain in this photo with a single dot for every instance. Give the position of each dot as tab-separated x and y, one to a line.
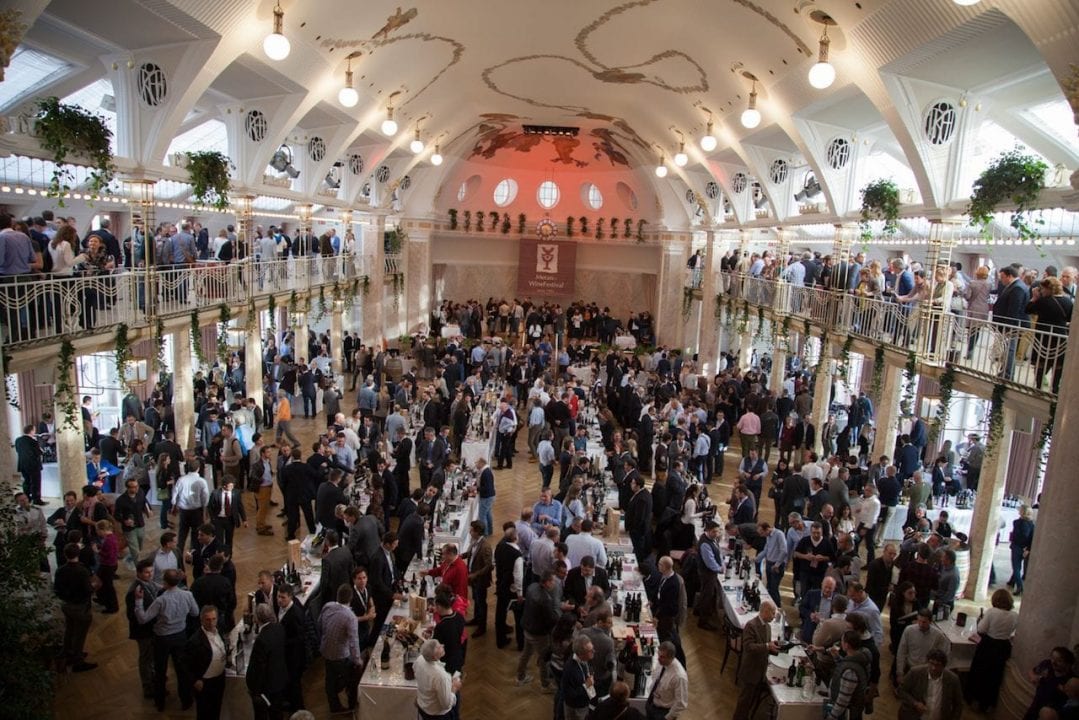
1023	465
649	283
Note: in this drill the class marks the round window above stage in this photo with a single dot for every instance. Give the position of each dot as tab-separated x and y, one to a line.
548	194
505	192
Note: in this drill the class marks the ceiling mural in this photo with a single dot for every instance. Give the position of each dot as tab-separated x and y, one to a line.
600	145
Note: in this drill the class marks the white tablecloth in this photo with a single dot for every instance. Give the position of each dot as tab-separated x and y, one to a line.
449	331
960	520
626	342
583	373
473	450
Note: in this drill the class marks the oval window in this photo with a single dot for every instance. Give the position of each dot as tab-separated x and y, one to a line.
547	194
505	192
626	195
468	188
591	196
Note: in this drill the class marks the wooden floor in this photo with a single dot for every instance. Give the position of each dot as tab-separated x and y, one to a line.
113	689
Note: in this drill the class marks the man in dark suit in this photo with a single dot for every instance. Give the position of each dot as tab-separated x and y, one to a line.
480	567
746	509
29	454
336	568
668	606
109	445
757	645
215	590
267	672
639	518
816	606
382	577
1011	309
295	480
430	453
914	691
362	604
227	512
329	496
206	546
402	454
583	577
290	614
204	648
411	536
364	533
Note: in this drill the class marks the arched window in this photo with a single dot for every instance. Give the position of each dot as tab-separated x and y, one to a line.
591	196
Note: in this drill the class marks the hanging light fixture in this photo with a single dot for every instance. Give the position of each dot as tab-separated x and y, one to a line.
436	157
416	146
276	45
822	74
967	2
708	142
680	157
751	116
661	169
347	95
389	125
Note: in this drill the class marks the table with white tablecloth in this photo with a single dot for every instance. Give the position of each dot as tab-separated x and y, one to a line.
961	647
581	373
449	331
473	450
625	342
959	518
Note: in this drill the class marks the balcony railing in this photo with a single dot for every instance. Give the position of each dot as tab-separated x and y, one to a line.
999	350
33	309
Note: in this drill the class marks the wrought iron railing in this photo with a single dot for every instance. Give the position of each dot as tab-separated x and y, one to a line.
1001	350
33	308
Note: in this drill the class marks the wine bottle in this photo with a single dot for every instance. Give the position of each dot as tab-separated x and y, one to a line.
384	659
791	675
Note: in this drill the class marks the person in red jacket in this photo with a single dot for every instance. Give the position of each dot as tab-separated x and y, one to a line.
453	571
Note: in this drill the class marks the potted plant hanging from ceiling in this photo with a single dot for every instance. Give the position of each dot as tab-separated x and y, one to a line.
208	172
880	201
69	134
1015	179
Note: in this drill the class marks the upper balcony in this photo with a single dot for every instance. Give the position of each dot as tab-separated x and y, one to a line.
1021	356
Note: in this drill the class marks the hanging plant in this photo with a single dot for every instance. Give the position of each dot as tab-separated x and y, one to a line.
1013	178
640	230
506	224
944	407
294	304
351	294
398	287
785	328
122	355
569	226
196	339
599	229
366	285
820	360
718	306
878	373
494	220
479	220
453	218
468	220
208	172
880	201
584	225
65	393
251	321
614	229
11	389
273	315
759	333
69	133
627	231
996	420
910	390
687	303
160	362
843	367
224	317
521	222
320	308
743	320
1045	436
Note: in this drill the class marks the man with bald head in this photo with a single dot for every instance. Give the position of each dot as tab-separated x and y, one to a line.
757	646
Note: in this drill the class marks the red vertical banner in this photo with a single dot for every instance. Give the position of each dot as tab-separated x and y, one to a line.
546	268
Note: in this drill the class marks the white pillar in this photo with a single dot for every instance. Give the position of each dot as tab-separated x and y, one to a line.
300	328
337	310
983	527
8	479
822	390
374	249
886	413
417	256
708	348
253	362
70	440
183	389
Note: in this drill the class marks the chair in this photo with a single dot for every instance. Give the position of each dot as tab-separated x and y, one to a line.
733	636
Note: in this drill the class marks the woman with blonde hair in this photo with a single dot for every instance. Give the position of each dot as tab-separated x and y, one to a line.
976	293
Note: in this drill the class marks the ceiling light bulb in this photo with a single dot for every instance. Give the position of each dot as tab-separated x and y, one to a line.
822	75
680	157
276	45
967	2
436	157
347	95
708	142
751	116
661	169
416	146
389	125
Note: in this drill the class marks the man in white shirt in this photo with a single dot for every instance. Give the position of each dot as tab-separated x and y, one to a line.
206	655
670	691
866	515
584	543
435	689
189	499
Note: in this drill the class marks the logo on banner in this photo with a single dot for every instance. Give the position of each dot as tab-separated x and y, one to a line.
547	259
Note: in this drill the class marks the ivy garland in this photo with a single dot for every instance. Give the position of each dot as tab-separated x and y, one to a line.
366	285
627	226
785	328
11	385
251	322
521	221
843	368
806	334
718	307
223	320
878	372
468	220
820	360
996	420
273	315
743	320
640	230
453	218
294	304
321	309
160	363
122	355
944	408
687	302
910	392
569	226
398	287
584	225
759	334
65	393
1045	436
196	339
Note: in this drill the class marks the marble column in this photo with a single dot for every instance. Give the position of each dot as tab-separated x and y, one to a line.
70	440
669	319
886	411
375	253
253	362
822	390
745	343
8	480
183	390
983	526
708	348
779	365
417	253
299	326
337	312
1050	613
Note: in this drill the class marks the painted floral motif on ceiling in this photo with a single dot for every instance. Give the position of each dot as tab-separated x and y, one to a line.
597	145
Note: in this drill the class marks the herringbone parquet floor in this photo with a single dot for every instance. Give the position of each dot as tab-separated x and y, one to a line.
113	690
